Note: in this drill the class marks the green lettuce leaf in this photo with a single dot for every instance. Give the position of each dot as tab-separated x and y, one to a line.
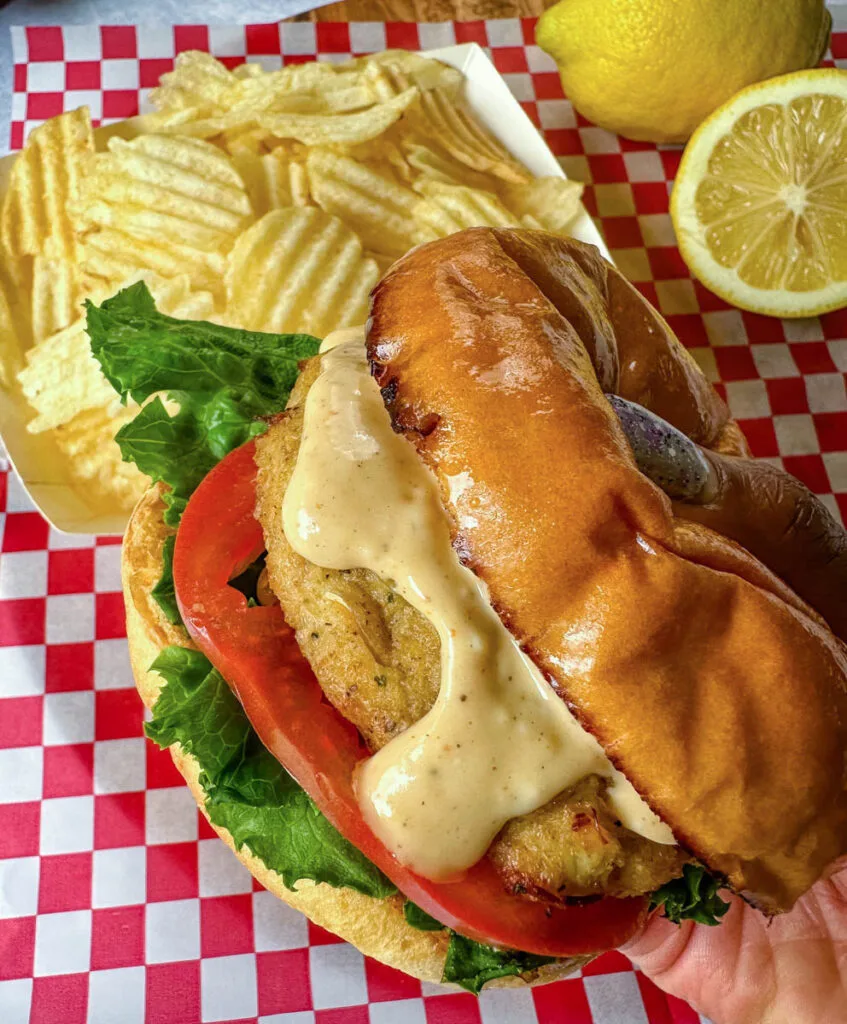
471	964
180	449
143	352
222	379
247	791
694	897
163	593
287	831
420	919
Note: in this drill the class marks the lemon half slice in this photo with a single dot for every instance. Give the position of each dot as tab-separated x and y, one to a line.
760	199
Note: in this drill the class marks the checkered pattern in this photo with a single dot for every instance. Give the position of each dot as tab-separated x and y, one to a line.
117	904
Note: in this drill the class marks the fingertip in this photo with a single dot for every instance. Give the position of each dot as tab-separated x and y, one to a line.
658	944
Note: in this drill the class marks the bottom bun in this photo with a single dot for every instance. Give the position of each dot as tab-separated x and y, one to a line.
377	927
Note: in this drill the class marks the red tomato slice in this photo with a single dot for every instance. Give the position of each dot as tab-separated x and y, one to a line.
256	652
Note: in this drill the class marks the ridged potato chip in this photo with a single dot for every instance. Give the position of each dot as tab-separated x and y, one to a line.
398	69
12	333
62	378
378	208
197	81
244	139
382	154
426	161
384	83
450	208
313	89
298	270
43	187
249	70
551	202
55	296
94	459
382	260
192	123
181	200
318	101
273	180
266	200
439	117
167	187
245	115
319	77
39	238
110	256
319	129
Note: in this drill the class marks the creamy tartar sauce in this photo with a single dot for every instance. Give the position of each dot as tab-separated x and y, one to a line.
499	742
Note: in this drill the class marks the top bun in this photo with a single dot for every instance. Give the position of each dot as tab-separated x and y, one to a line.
710	684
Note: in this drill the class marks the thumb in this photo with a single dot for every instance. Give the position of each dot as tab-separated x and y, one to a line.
697	963
659	946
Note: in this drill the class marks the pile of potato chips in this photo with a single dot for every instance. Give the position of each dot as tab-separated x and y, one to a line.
265	200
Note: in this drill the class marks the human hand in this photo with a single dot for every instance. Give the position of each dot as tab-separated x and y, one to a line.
748	970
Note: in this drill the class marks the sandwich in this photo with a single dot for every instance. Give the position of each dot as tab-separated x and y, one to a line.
452	625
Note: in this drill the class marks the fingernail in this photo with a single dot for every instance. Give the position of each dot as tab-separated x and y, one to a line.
664	454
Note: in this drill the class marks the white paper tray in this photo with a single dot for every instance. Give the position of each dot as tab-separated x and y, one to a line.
37	459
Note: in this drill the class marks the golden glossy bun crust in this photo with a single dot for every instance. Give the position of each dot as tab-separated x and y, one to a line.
376	927
714	688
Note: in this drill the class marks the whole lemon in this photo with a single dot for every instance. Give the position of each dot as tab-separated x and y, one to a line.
652	70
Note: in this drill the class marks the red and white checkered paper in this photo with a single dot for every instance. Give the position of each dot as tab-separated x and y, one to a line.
117	903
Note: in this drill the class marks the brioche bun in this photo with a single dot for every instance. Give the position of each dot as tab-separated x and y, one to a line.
711	685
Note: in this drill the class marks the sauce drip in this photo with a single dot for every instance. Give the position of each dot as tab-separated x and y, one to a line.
499	742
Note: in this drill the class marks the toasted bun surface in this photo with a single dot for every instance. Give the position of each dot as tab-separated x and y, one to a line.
376	927
714	688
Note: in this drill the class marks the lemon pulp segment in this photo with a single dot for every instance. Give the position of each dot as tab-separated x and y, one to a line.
760	204
774	200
